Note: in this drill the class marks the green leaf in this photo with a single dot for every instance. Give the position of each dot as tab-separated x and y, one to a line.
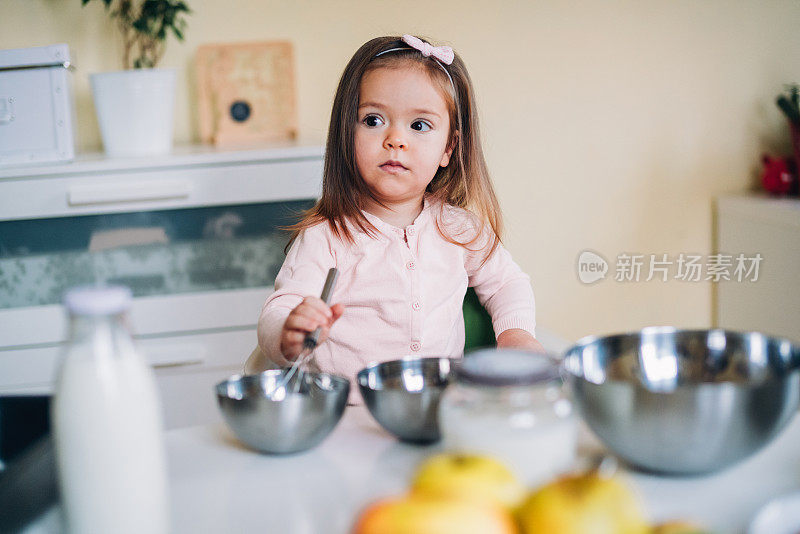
140	26
151	21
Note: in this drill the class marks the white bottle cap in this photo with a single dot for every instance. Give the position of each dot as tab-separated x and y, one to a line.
98	300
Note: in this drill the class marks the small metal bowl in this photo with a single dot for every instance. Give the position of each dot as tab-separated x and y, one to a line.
287	422
685	401
403	396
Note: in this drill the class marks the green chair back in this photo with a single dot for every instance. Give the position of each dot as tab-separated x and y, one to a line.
477	323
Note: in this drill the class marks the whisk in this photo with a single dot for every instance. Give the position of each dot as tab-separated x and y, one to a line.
309	343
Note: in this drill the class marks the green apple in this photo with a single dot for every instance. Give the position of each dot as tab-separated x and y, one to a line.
469	477
582	504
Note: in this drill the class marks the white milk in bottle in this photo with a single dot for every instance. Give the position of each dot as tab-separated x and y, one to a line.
107	422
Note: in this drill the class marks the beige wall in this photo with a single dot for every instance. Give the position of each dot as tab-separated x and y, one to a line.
608	125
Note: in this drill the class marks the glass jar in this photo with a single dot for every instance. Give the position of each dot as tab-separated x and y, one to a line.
511	405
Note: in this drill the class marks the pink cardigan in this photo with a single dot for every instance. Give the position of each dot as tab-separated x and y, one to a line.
402	291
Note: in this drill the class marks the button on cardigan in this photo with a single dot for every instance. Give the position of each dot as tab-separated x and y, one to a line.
403	290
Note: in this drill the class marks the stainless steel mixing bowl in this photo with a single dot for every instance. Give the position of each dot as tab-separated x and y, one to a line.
403	396
282	423
685	401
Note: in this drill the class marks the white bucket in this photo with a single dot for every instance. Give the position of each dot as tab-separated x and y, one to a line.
135	110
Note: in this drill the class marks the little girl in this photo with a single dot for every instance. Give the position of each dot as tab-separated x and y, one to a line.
409	217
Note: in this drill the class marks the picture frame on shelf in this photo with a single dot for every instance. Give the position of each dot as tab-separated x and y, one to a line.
246	93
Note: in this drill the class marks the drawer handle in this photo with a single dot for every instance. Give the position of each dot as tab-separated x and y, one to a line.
170	356
82	195
170	365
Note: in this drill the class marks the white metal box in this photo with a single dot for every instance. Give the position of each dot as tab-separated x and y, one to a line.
36	106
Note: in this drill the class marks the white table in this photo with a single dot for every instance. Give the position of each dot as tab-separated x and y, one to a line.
220	486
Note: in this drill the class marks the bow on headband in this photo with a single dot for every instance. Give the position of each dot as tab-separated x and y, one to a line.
442	53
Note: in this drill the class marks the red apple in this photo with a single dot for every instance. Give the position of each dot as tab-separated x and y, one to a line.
424	515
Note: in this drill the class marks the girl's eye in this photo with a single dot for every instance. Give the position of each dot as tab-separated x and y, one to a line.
369	120
422	127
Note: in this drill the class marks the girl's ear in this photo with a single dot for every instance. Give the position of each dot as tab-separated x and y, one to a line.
449	152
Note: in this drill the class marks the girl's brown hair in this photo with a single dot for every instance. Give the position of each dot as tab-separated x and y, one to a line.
465	182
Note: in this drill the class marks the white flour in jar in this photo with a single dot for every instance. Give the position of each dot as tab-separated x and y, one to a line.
535	446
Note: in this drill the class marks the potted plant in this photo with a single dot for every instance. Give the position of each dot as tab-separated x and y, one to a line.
135	106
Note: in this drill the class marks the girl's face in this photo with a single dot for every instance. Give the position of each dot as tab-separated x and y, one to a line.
402	117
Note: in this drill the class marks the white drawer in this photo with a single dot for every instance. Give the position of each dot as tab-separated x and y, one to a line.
35	368
156	189
158	315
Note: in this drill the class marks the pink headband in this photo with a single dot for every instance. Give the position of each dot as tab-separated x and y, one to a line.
440	54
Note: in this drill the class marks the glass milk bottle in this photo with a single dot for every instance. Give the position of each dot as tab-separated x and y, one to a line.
510	405
107	422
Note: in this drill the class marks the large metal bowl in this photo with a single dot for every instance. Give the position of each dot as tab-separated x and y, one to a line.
403	396
685	401
286	423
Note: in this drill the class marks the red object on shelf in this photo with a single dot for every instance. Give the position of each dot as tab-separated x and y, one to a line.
779	175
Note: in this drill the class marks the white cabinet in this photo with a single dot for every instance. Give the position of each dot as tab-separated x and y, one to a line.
195	235
752	225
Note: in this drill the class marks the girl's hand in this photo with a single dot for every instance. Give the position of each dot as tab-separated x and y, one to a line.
303	320
517	338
